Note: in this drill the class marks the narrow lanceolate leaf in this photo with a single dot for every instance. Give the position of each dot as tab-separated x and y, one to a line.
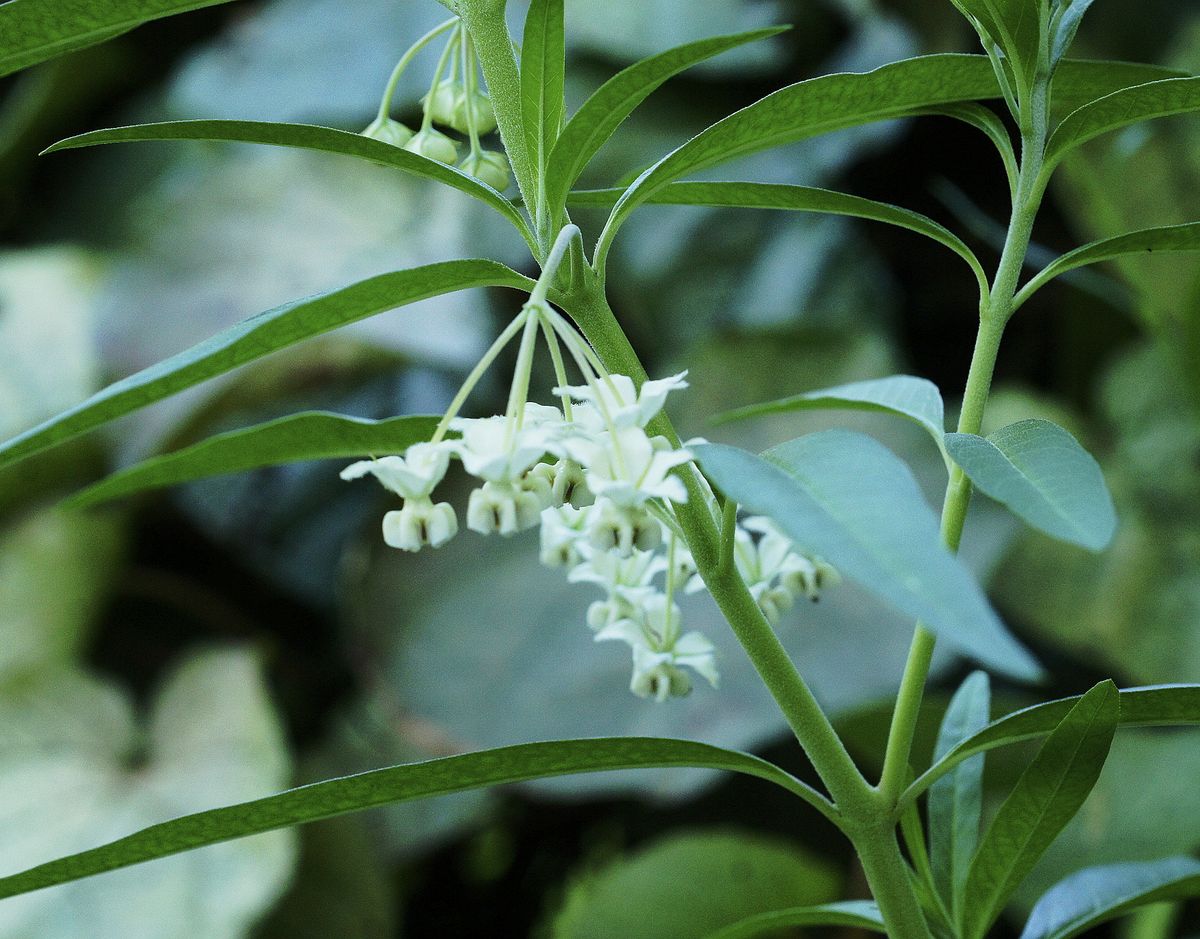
848	498
543	57
303	137
1064	26
1184	237
33	31
917	399
1041	472
399	784
1150	706
794	198
1121	109
601	114
1045	798
956	800
314	435
1096	895
1080	81
809	108
258	336
862	914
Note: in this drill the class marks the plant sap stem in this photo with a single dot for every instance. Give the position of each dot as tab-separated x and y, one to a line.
486	24
995	309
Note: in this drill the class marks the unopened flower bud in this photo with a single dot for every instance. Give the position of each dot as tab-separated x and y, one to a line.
389	131
489	167
433	145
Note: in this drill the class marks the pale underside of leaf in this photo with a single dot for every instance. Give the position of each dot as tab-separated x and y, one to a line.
848	498
1040	472
1095	895
396	784
313	435
258	336
907	396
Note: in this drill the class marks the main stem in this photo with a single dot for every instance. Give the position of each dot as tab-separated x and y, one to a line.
995	310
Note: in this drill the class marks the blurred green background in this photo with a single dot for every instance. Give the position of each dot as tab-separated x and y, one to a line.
231	638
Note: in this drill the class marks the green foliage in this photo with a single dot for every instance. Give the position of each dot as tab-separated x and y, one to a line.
1041	472
543	75
1045	798
1154	706
693	886
394	784
862	914
608	107
304	137
1095	895
312	435
258	336
32	31
955	803
917	399
848	499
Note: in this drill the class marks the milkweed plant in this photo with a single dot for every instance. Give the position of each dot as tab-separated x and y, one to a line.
639	518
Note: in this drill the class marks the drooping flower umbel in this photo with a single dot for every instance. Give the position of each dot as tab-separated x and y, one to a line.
602	490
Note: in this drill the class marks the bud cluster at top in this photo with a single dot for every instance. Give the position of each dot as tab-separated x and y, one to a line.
455	101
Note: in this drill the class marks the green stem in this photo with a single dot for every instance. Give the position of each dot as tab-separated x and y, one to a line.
887	873
486	24
995	310
385	103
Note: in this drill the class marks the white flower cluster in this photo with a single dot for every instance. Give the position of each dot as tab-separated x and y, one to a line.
600	488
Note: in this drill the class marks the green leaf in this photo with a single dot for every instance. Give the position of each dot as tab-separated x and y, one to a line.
1064	26
917	399
253	338
956	800
1151	706
809	108
1080	81
1045	798
1010	27
543	76
602	113
863	914
1121	109
690	885
396	784
848	498
313	435
303	137
1042	474
795	198
1096	895
32	31
1184	237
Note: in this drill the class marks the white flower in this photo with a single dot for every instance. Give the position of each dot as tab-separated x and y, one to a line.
809	576
629	468
775	571
412	476
420	523
627	583
503	508
624	404
622	530
562	531
495	450
660	652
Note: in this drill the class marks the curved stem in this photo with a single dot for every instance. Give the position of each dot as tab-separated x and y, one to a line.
385	104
